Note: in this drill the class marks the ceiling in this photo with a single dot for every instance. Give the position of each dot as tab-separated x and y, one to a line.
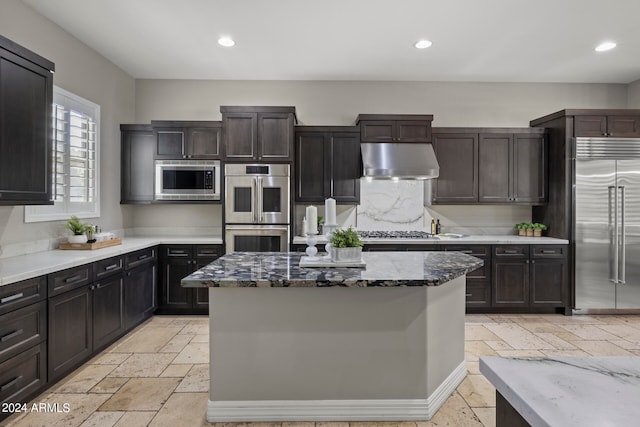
473	40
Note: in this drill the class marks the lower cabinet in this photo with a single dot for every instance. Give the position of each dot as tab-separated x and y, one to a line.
108	311
478	290
530	276
176	262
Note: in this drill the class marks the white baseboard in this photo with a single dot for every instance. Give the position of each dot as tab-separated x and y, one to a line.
337	410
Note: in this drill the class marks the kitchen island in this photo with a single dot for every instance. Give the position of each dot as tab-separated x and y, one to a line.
346	344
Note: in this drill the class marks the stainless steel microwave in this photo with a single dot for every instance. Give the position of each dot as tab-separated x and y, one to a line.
187	180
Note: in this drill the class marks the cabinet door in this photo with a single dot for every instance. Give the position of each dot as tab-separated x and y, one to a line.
345	167
494	168
22	329
275	136
138	149
457	156
139	294
530	168
311	180
590	126
172	295
204	254
170	143
204	142
25	139
510	285
240	136
623	126
23	375
70	331
549	278
108	310
413	131
378	131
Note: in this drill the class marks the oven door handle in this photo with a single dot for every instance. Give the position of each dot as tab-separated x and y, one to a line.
254	201
259	202
264	228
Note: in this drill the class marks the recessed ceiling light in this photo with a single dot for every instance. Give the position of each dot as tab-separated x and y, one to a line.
226	41
422	44
602	47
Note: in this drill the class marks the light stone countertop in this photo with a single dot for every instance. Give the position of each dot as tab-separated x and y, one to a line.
569	391
466	240
15	269
281	269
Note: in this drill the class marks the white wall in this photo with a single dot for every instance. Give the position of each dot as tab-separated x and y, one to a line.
80	70
339	102
633	100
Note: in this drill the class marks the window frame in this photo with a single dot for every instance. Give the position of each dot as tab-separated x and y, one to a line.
62	210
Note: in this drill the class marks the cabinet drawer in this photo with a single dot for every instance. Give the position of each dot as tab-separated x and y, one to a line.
20	294
22	329
549	251
208	251
107	267
511	251
66	280
23	375
480	251
176	251
478	293
134	259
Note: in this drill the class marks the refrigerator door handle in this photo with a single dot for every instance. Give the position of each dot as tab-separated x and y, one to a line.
622	249
613	235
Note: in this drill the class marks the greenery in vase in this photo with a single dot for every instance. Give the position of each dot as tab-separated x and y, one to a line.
522	226
346	238
538	226
76	226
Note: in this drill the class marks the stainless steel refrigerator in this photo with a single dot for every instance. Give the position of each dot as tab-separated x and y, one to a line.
606	221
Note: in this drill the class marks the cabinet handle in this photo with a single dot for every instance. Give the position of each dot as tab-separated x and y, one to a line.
92	287
468	295
533	261
74	278
141	257
548	251
111	267
11	298
526	261
11	335
467	251
510	251
10	383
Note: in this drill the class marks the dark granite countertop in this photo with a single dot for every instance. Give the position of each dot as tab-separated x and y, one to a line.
280	269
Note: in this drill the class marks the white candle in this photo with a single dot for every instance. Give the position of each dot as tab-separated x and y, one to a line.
312	219
330	211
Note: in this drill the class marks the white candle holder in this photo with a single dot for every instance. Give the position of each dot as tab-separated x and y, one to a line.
328	230
311	243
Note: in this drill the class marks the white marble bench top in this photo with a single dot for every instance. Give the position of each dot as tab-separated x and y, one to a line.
569	391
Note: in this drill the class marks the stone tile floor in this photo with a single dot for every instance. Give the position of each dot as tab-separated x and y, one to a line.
158	374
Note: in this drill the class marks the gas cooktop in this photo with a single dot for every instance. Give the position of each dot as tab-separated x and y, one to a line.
395	234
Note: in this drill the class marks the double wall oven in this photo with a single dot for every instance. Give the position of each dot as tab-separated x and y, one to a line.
257	207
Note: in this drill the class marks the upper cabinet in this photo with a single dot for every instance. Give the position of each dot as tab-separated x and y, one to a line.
621	126
138	146
26	96
327	164
263	134
187	139
490	166
395	127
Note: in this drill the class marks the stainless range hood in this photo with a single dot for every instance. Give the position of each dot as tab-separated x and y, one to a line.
399	160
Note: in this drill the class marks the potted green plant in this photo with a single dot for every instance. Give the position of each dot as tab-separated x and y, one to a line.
346	245
529	228
78	228
538	228
522	228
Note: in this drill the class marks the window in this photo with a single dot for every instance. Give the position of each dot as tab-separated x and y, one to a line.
75	162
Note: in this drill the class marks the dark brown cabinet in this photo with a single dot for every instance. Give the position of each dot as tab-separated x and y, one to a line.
23	344
137	167
530	276
187	139
620	126
140	287
328	164
478	290
512	168
108	310
26	88
457	155
395	127
258	133
177	262
490	166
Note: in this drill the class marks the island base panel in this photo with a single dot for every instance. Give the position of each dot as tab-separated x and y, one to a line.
340	353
